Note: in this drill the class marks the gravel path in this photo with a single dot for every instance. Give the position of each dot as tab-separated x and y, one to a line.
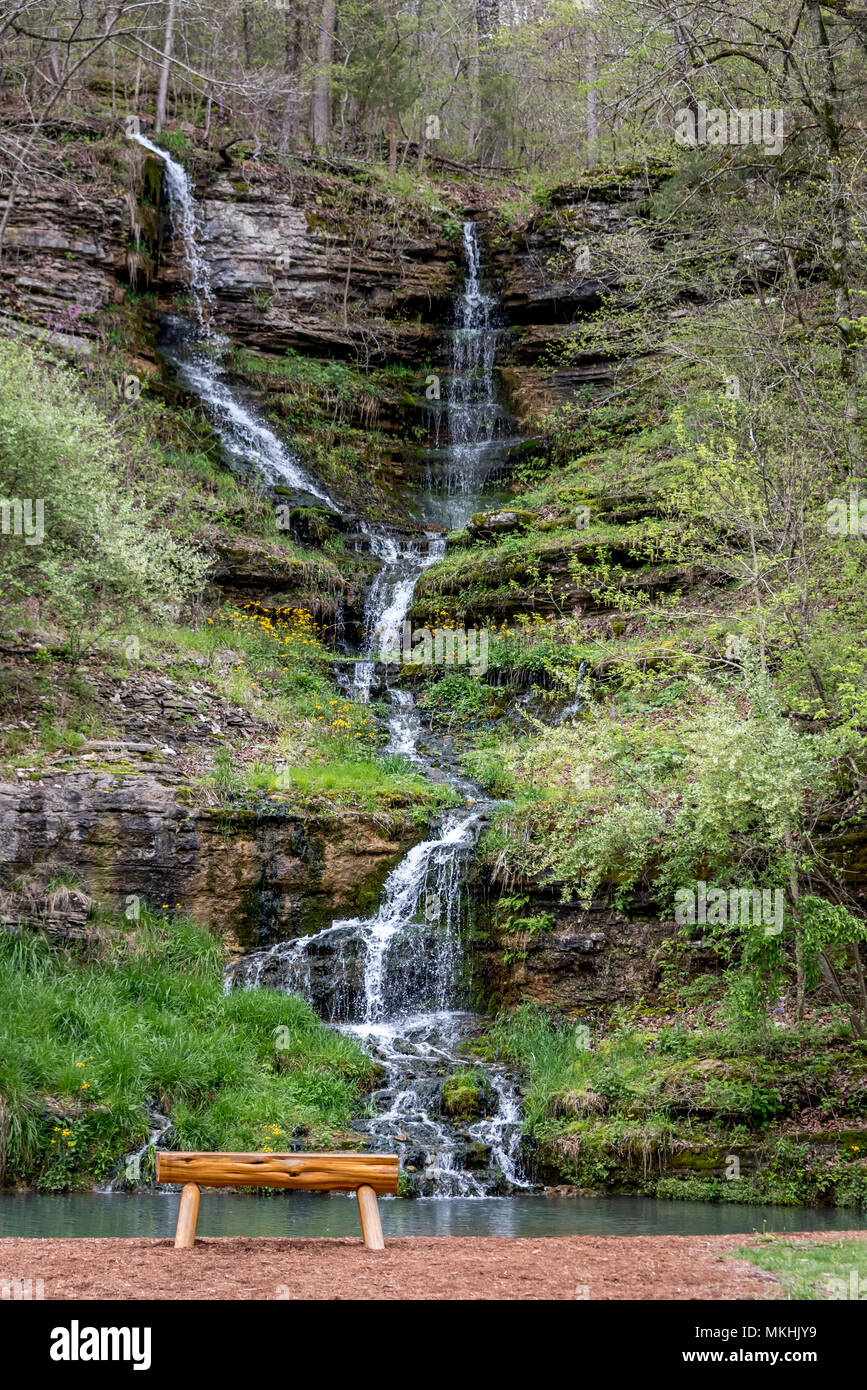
428	1267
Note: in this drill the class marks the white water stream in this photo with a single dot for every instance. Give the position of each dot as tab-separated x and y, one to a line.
395	980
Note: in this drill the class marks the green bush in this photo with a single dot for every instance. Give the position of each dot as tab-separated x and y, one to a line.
102	548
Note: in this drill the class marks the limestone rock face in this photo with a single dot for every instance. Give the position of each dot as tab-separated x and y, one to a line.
553	271
253	875
288	272
299	259
62	257
60	912
593	958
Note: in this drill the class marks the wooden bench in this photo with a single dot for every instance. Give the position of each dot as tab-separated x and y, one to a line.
361	1173
364	1174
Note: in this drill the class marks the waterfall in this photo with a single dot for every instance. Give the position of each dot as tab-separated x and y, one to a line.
576	704
471	405
389	597
185	222
196	356
404	958
396	980
471	418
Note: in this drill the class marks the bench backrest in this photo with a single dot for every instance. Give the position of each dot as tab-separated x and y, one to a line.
306	1172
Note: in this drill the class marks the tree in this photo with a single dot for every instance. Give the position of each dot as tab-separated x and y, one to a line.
168	44
321	107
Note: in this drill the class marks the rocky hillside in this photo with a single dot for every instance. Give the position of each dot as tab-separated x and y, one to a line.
667	699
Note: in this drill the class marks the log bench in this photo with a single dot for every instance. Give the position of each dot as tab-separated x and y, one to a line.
364	1174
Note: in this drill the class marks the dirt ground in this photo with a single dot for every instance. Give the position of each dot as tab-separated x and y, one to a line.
428	1267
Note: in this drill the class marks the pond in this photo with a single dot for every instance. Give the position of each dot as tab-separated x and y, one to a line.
314	1214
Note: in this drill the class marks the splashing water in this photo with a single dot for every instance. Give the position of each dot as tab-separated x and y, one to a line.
129	1172
393	981
389	597
403	958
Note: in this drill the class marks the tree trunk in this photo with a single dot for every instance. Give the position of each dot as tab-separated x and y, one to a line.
168	45
293	39
800	983
475	114
321	111
592	107
851	358
487	15
683	59
54	55
393	42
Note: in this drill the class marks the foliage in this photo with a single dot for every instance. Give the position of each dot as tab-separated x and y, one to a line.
91	1037
102	547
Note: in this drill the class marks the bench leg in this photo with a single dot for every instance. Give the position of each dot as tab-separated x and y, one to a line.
188	1215
371	1228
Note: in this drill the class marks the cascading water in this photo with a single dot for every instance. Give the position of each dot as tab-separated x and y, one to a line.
473	421
472	408
195	355
388	599
396	979
186	226
129	1172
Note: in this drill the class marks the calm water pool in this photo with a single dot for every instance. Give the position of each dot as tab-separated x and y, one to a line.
314	1214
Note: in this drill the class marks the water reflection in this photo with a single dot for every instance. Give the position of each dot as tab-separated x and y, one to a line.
284	1214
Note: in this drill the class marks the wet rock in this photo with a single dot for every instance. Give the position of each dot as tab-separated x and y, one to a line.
476	1156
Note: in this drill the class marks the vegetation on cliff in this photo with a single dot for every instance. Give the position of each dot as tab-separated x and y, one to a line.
98	1034
669	568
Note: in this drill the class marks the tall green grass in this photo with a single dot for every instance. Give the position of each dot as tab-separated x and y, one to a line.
88	1041
545	1053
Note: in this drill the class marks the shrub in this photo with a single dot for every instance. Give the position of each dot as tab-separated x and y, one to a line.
102	547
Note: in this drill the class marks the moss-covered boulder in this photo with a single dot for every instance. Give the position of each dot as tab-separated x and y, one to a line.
488	524
468	1095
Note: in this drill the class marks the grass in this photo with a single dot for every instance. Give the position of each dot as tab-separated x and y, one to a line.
315	750
828	1269
547	1056
658	1108
366	783
332	378
90	1037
